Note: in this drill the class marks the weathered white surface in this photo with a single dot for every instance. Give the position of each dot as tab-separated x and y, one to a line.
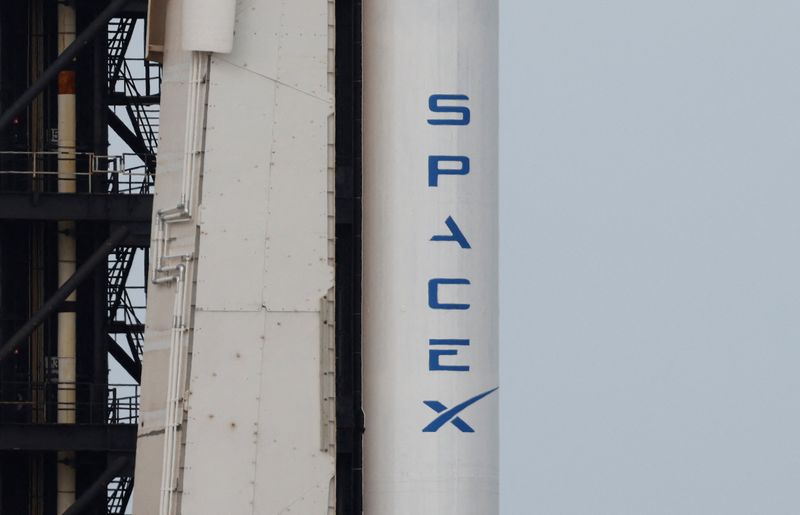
208	25
150	444
414	49
253	432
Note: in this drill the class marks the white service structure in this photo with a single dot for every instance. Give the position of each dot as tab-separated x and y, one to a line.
430	324
238	407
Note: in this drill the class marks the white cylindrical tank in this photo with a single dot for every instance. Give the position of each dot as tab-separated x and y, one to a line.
208	25
430	257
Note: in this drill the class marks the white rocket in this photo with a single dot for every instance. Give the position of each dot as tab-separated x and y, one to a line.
430	257
238	407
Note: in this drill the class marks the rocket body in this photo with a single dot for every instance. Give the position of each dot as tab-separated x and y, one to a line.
430	324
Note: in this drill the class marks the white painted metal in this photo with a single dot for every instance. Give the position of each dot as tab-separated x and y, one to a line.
414	49
208	25
173	268
251	423
168	334
67	334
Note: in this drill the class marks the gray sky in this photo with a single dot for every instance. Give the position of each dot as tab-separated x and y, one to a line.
650	257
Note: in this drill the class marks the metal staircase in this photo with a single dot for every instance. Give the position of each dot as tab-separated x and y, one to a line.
138	82
118	495
147	118
119	268
122	313
120	33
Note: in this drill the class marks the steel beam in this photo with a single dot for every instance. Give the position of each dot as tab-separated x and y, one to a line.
121	99
116	468
131	366
68	437
135	9
116	327
76	206
63	60
61	294
126	134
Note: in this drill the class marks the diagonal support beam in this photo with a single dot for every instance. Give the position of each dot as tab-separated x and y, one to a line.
128	136
83	503
131	366
85	270
62	61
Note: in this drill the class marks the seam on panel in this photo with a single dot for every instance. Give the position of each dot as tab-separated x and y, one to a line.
277	81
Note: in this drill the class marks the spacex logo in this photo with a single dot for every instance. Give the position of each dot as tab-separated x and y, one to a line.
449	110
451	415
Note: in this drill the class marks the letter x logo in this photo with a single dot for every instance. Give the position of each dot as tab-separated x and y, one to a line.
451	415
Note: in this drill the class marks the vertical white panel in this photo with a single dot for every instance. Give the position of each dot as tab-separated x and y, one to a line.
235	188
222	420
430	257
255	437
160	298
293	472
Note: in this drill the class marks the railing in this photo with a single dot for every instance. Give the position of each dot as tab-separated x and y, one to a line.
38	403
138	77
38	171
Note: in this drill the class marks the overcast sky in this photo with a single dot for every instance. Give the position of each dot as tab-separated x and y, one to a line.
650	257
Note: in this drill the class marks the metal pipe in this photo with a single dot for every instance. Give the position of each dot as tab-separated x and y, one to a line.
63	292
62	61
67	320
164	273
83	503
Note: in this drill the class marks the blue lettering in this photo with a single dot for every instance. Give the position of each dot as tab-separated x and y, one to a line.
434	355
435	170
455	234
449	341
433	293
434	365
435	107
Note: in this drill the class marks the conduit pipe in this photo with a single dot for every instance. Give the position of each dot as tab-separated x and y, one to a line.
168	268
207	26
66	258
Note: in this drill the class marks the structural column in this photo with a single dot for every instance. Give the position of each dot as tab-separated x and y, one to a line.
67	182
430	257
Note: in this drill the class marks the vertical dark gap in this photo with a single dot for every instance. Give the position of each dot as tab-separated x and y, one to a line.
14	264
349	418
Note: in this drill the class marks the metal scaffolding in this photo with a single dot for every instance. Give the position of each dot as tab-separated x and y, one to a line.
108	204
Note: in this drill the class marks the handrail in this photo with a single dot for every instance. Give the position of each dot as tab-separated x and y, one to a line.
125	173
27	402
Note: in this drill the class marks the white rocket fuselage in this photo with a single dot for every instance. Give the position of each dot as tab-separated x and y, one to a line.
430	257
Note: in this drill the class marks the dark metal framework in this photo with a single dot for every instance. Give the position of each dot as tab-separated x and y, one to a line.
349	418
116	89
